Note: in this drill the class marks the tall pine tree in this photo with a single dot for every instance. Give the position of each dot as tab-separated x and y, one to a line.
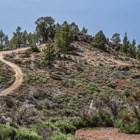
126	43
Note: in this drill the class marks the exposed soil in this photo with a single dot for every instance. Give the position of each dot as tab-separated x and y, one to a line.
17	70
105	134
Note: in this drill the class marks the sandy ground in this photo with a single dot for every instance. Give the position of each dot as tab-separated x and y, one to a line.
17	70
105	134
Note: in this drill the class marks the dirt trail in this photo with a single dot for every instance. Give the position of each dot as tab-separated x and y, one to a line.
18	71
105	134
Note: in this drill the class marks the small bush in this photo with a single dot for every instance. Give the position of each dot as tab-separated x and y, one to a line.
99	120
9	101
129	128
65	127
7	132
34	48
100	45
64	137
27	135
45	130
10	133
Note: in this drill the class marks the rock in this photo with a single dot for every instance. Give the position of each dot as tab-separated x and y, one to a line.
84	38
101	64
5	120
114	46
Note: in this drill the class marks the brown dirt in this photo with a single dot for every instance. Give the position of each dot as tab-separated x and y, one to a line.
97	57
105	134
121	83
17	70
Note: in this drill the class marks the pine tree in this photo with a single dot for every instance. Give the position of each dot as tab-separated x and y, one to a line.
74	27
2	35
4	41
138	52
49	53
17	38
84	31
132	49
126	43
116	38
25	34
100	40
45	28
63	38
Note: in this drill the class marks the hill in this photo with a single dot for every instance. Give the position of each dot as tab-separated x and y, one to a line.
96	88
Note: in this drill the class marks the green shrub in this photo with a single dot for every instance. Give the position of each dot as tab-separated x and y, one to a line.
68	83
27	135
58	137
65	127
64	137
33	48
7	133
100	45
58	125
118	123
130	128
77	122
45	130
99	120
9	101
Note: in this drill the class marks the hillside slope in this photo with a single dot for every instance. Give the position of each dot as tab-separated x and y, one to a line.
85	75
83	72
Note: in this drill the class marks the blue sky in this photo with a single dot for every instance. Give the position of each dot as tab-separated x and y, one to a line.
108	15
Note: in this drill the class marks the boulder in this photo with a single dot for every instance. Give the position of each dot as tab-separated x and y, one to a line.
84	38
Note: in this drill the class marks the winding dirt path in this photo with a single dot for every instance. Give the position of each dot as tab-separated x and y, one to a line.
18	71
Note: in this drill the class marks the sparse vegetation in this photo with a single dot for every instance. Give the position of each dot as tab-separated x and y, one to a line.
33	48
6	76
70	84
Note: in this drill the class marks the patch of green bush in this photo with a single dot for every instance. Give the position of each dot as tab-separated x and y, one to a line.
46	130
129	128
24	134
99	120
64	137
65	127
61	125
33	48
7	133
